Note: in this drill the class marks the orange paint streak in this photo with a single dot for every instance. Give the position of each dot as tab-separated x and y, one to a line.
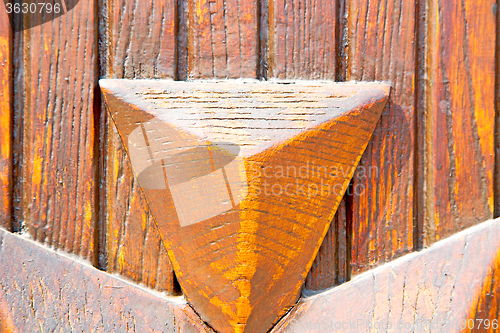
487	301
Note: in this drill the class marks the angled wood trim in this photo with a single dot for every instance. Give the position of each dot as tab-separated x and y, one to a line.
443	286
44	290
455	280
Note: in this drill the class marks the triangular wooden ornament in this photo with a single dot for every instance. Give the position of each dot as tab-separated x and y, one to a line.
243	179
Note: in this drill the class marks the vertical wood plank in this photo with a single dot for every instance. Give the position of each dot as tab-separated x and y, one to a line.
496	185
496	176
5	121
302	39
382	47
134	247
140	39
56	169
330	266
460	115
222	39
140	42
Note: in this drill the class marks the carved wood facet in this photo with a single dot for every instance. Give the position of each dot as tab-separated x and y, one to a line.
243	179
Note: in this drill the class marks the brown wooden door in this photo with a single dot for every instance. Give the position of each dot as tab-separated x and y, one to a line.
428	172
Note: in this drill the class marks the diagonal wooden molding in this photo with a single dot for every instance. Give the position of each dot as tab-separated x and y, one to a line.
42	290
441	288
243	179
453	281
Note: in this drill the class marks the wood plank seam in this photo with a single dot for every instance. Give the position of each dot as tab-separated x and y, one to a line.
342	42
420	143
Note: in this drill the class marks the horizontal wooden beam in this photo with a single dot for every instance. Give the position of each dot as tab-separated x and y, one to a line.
42	290
449	287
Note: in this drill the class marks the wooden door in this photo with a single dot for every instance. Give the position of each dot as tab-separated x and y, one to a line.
428	172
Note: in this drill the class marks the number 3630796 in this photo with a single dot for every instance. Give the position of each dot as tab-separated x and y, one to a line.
33	8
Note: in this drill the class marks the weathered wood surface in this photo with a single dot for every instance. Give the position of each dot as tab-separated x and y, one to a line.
134	248
44	291
222	38
5	121
55	177
486	303
41	290
302	39
382	47
213	205
330	268
139	42
460	115
437	289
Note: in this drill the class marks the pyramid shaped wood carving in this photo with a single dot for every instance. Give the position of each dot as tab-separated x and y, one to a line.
243	179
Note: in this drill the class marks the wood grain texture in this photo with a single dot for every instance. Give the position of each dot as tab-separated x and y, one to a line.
432	290
134	247
139	39
302	39
241	252
44	291
222	38
496	185
330	268
382	47
55	147
139	42
5	121
461	112
486	304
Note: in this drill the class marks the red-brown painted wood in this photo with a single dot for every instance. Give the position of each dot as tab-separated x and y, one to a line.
302	39
139	39
222	38
139	42
54	121
382	47
242	261
330	268
460	116
5	122
432	290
